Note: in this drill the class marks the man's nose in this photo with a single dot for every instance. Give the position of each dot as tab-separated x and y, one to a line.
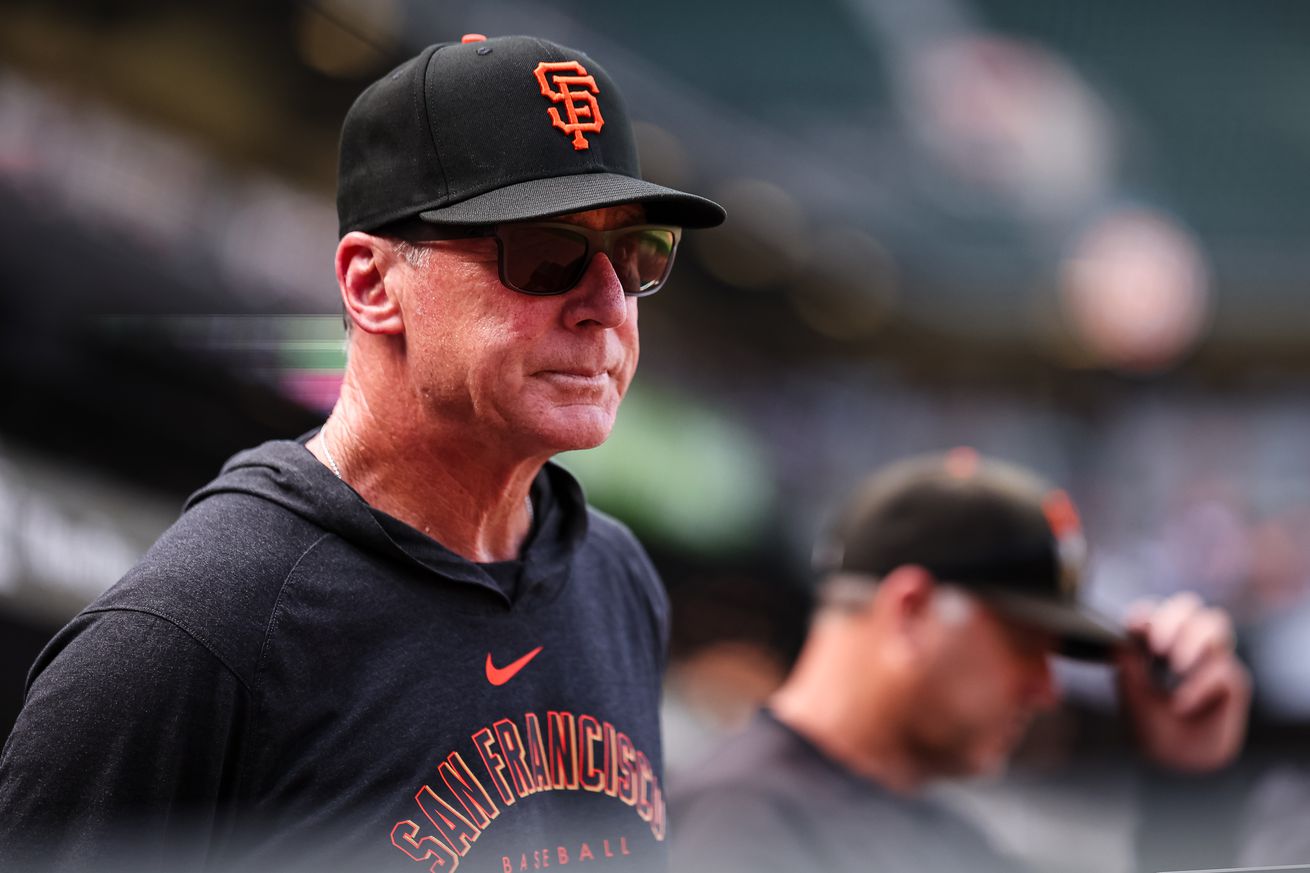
1043	690
598	298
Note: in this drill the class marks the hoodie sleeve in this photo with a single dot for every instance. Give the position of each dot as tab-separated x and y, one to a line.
129	739
656	596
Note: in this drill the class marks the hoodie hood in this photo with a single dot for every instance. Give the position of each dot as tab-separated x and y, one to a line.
284	472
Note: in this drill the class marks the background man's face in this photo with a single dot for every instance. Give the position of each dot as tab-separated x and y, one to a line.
536	373
981	683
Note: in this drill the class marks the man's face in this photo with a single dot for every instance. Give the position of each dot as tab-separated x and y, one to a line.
980	684
535	374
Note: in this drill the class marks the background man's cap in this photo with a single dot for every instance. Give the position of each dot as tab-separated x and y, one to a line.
992	528
495	130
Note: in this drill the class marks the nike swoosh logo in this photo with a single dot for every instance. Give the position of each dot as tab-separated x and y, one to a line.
501	675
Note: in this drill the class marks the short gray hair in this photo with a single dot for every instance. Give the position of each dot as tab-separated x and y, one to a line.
417	256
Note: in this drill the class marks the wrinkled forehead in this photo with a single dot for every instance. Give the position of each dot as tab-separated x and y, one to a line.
606	217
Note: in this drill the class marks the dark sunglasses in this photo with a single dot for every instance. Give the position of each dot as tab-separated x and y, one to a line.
547	257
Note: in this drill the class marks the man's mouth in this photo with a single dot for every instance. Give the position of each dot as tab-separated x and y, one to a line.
577	378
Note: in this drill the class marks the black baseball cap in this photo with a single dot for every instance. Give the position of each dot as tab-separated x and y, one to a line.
486	131
995	529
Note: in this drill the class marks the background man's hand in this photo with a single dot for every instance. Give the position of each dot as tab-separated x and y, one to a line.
1200	724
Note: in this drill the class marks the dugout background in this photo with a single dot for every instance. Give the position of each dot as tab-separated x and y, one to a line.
1071	235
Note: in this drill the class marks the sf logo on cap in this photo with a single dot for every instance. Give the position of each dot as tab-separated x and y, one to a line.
1070	545
578	105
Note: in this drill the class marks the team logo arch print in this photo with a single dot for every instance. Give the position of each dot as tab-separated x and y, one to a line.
558	79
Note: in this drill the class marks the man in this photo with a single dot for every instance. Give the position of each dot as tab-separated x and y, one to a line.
952	580
404	642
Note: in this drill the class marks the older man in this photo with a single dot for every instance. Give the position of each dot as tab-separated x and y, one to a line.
404	642
952	581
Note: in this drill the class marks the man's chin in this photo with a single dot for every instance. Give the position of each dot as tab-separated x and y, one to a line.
992	768
993	761
577	429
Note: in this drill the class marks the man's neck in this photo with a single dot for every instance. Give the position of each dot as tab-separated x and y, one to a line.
456	489
814	703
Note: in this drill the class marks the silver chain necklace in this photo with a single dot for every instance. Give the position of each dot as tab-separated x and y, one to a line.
332	462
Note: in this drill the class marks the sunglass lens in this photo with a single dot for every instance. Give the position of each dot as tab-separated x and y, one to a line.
642	259
542	260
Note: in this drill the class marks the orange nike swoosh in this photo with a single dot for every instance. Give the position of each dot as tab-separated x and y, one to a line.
501	675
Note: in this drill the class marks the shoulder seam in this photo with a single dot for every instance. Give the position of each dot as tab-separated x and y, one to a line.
182	626
273	613
256	705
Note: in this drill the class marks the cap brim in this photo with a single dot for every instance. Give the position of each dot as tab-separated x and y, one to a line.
1083	633
559	195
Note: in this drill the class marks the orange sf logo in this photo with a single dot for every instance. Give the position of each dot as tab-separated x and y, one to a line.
1061	514
580	104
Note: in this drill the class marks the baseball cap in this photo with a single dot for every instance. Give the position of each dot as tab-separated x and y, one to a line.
994	529
486	131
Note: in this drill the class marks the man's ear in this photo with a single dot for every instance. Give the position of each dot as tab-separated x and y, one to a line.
363	261
907	596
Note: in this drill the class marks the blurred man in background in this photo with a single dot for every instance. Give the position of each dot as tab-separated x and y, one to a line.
403	642
953	581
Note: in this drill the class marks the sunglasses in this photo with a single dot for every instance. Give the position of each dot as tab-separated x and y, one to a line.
546	258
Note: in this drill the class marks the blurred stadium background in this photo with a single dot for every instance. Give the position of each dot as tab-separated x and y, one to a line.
1071	235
